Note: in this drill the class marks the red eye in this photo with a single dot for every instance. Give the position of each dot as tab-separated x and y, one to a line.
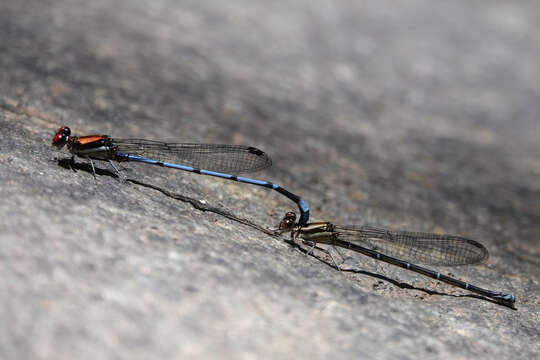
57	138
61	137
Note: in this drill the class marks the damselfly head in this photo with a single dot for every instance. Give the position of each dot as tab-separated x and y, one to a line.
61	137
288	222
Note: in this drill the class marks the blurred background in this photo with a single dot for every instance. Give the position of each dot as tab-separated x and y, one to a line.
420	116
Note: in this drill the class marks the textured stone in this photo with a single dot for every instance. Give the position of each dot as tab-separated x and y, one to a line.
414	115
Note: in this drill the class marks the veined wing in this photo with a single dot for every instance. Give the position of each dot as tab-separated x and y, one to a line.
215	157
416	247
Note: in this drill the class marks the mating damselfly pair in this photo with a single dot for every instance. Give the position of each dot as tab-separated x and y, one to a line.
400	248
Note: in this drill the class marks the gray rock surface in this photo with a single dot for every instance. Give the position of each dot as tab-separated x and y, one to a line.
414	115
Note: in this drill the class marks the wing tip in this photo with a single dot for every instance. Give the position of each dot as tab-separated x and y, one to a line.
483	252
264	158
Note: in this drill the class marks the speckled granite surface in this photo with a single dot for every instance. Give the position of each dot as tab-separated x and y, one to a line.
416	115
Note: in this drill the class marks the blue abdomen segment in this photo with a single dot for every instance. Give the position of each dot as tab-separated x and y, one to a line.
302	206
304	213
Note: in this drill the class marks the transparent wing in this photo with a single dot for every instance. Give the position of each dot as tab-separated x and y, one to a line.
215	157
416	247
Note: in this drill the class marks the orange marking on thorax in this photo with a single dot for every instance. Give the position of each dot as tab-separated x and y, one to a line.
89	139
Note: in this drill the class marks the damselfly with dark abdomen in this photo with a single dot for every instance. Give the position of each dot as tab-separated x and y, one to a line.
400	248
